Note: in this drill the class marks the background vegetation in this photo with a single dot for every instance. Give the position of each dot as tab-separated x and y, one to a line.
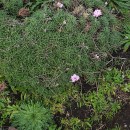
42	45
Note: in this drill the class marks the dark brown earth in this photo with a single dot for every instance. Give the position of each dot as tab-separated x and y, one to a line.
73	110
85	87
120	59
1	6
122	118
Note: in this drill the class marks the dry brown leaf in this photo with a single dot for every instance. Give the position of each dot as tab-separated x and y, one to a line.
78	10
25	1
87	27
58	4
24	12
2	86
12	128
85	15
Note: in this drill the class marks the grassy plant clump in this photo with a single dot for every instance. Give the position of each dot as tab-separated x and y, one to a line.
32	116
47	48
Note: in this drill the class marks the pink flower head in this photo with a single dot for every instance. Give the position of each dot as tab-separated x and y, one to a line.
97	13
59	5
74	78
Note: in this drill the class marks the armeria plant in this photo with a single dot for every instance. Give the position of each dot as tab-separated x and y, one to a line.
58	40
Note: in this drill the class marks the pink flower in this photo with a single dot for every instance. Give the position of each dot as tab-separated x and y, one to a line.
59	5
97	13
74	78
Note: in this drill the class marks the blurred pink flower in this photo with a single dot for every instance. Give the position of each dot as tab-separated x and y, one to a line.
97	13
59	5
74	78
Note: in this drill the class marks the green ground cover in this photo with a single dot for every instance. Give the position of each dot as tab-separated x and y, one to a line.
43	51
40	53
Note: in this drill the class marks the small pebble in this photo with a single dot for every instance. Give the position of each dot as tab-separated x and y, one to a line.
106	3
59	5
64	22
125	125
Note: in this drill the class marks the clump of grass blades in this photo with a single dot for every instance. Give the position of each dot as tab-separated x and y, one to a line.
32	116
51	45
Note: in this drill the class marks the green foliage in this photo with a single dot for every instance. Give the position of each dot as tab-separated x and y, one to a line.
58	100
114	76
126	86
118	5
102	103
117	127
67	122
34	5
44	51
9	110
73	123
4	103
32	116
67	3
12	6
2	78
39	55
127	74
127	38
